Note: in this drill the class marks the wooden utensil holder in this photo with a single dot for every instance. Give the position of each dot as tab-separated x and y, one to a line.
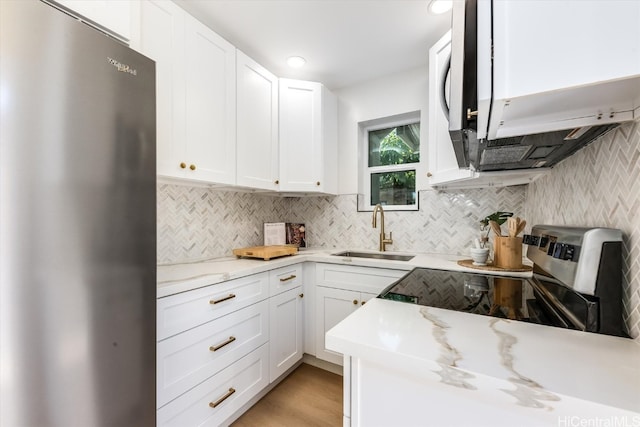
507	252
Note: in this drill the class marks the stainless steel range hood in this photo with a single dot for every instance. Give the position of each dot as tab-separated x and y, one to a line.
524	152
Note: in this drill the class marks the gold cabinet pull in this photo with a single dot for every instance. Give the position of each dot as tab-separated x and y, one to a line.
363	302
277	181
183	165
223	398
301	295
218	301
219	346
355	302
429	174
318	183
286	279
192	167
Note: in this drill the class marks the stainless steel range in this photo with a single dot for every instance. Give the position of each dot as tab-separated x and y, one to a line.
576	283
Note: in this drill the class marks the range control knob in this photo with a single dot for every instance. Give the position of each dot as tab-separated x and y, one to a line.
569	253
557	250
564	251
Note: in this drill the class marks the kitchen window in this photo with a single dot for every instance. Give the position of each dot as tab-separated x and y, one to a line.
391	153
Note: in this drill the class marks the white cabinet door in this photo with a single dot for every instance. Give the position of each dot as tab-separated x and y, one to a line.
286	338
339	291
195	94
443	166
556	65
257	125
210	110
308	137
115	16
332	306
162	38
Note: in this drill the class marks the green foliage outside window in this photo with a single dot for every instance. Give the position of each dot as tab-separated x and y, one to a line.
394	146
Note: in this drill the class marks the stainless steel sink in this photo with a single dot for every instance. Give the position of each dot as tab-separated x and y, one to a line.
375	255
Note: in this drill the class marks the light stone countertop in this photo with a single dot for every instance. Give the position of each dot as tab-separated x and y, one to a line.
539	375
182	277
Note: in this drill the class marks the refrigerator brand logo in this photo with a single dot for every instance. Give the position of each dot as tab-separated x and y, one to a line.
122	67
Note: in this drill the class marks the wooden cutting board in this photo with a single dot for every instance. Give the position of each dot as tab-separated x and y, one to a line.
265	252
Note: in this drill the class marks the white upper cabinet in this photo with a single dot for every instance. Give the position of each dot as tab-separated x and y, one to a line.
561	64
210	104
443	166
115	16
195	94
308	137
257	125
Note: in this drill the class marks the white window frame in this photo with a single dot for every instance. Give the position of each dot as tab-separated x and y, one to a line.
364	204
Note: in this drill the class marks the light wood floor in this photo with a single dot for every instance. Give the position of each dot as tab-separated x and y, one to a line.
310	396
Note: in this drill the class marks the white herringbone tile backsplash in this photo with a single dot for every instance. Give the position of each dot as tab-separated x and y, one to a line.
197	223
446	222
599	186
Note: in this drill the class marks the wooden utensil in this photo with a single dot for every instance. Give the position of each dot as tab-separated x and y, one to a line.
512	227
495	228
521	227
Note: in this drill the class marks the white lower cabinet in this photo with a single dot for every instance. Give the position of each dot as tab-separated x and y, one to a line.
340	290
220	345
216	399
285	313
185	359
333	305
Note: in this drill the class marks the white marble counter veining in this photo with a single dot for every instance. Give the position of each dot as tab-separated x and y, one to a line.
182	277
542	373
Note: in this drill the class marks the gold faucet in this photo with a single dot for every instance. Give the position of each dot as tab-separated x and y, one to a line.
383	239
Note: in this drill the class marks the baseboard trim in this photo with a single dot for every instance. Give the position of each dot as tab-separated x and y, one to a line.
322	364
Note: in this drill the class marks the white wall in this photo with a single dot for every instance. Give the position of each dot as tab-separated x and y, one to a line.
387	96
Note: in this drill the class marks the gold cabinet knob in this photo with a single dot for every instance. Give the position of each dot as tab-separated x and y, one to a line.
277	181
183	165
355	302
364	302
192	167
318	183
429	174
301	295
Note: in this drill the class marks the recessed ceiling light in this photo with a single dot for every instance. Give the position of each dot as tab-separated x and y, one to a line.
440	6
296	61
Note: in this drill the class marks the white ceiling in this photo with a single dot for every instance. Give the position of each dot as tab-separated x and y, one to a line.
344	41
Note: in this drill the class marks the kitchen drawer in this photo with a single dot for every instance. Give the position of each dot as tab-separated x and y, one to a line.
285	278
246	377
178	313
354	278
187	359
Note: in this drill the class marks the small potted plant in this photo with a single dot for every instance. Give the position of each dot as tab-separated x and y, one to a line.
480	253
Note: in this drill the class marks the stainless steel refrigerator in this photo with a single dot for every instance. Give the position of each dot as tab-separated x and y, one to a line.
78	224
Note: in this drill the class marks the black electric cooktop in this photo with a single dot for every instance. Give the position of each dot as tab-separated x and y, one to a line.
515	298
